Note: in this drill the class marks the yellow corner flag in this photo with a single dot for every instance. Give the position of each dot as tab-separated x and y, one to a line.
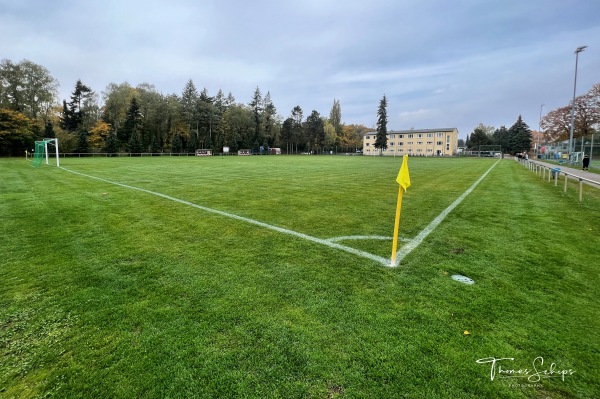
403	180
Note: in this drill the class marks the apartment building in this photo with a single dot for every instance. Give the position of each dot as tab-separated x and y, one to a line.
415	142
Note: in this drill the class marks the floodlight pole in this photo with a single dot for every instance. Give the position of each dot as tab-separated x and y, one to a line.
577	51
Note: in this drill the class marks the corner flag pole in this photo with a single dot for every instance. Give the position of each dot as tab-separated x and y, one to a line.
403	180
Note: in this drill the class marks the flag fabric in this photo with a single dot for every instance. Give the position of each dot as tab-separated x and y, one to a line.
403	178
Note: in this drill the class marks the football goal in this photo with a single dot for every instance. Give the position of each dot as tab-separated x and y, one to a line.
41	152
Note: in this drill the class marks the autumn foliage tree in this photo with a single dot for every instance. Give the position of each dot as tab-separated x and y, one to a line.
17	132
556	123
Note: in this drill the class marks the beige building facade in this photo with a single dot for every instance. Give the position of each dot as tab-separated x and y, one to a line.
415	142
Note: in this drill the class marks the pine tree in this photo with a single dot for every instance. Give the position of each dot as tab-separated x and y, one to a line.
315	131
204	127
49	130
75	113
381	137
131	124
268	117
500	137
112	144
256	106
297	128
189	104
83	145
519	137
192	144
176	146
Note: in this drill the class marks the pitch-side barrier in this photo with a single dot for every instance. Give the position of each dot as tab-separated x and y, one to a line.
553	173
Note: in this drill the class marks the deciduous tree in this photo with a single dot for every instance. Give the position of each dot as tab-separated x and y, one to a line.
335	117
17	132
478	138
315	131
28	88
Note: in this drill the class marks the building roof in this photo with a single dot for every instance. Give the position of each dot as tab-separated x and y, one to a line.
448	129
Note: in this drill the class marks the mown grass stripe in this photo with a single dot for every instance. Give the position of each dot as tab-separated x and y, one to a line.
407	249
307	237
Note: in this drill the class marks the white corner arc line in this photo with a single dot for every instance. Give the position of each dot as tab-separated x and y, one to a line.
406	249
327	243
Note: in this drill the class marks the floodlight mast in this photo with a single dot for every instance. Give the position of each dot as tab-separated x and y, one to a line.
571	128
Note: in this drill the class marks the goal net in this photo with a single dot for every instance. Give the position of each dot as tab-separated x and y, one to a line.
41	152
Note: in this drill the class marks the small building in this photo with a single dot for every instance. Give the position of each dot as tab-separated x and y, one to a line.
275	151
415	142
203	153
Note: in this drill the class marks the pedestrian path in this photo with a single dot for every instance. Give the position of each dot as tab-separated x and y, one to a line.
592	179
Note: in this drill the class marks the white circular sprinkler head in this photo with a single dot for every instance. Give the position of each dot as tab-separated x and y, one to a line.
462	279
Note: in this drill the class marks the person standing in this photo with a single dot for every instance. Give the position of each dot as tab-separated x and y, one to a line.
586	163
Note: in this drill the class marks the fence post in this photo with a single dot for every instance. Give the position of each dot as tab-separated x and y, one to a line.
556	179
566	178
580	189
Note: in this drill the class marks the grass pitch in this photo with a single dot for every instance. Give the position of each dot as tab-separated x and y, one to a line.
112	292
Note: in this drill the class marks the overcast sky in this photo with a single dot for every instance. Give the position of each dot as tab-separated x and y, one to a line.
440	63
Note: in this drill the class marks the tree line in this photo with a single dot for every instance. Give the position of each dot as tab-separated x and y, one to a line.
516	139
140	119
555	126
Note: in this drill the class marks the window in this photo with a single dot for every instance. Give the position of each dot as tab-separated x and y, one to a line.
430	142
419	135
400	144
392	136
400	136
440	134
419	142
429	134
392	143
410	136
439	143
368	144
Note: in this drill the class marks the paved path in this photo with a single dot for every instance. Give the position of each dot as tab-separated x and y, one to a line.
592	179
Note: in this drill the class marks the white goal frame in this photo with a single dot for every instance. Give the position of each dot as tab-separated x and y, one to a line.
55	142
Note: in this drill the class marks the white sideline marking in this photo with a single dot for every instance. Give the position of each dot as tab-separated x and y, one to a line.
406	249
327	243
336	239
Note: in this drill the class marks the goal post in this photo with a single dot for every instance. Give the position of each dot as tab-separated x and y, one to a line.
41	152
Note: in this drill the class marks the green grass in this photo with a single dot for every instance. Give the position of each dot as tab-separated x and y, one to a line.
111	292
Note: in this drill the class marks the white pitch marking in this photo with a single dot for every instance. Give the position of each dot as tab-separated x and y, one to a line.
336	239
406	249
327	243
